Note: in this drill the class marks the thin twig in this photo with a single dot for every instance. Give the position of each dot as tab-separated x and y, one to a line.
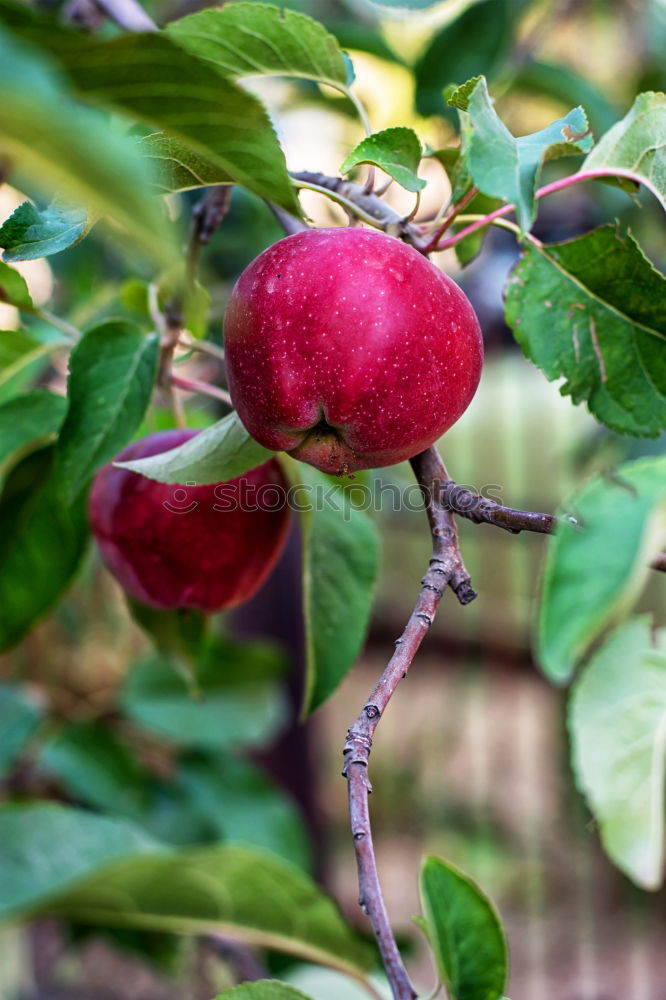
366	206
129	14
205	388
449	218
486	220
68	329
207	215
202	346
176	406
552	188
446	568
84	14
353	209
367	127
482	510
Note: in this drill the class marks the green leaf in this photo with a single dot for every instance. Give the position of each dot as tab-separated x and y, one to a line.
29	233
13	289
209	798
397	151
476	42
217	454
593	310
340	560
56	861
245	39
46	848
178	635
20	714
18	350
504	167
27	422
177	167
111	376
637	144
237	802
245	712
465	933
65	148
594	572
328	984
151	77
617	721
458	97
250	39
263	989
41	544
95	767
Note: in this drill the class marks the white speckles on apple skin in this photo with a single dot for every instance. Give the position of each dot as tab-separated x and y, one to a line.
360	331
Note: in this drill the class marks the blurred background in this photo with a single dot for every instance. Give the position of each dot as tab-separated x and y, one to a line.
471	760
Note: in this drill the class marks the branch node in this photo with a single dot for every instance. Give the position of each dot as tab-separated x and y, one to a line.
371	711
424	618
465	592
481	510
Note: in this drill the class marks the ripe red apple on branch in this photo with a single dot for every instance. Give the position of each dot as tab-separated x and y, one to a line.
202	547
349	349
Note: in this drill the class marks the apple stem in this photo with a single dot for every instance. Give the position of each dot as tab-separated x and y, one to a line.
446	568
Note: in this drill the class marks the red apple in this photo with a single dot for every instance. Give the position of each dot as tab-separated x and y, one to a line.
349	349
204	547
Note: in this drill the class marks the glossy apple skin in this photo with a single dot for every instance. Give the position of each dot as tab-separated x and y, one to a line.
187	554
349	349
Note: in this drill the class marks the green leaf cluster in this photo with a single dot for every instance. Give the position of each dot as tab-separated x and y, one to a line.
595	572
